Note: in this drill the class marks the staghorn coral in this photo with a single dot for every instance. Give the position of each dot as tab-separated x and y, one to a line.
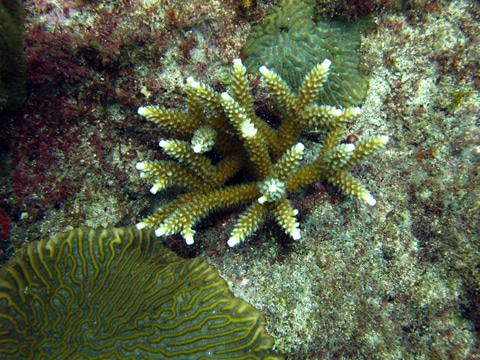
117	294
227	125
289	42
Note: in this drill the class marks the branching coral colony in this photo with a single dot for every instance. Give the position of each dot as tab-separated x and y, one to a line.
227	125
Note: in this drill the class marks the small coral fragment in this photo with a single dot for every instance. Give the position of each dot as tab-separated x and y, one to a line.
268	160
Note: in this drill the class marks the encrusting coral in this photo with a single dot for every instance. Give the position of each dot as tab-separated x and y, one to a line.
226	124
290	42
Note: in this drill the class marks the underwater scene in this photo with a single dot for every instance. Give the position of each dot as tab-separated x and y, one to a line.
239	179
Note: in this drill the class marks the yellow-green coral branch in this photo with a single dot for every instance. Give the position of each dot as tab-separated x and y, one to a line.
255	143
185	216
171	119
247	223
313	83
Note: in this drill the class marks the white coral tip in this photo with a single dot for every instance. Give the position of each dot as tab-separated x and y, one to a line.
192	83
197	149
226	96
263	199
189	239
263	70
350	147
326	63
163	143
187	234
337	112
369	199
140	166
141	225
233	241
237	62
248	129
296	235
154	189
299	147
142	111
356	111
160	231
384	139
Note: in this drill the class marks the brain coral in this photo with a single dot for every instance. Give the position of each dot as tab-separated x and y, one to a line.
291	43
118	294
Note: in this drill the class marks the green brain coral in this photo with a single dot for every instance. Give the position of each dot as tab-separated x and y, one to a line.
118	294
289	42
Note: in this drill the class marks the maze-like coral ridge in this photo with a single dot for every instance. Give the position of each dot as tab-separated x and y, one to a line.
120	294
